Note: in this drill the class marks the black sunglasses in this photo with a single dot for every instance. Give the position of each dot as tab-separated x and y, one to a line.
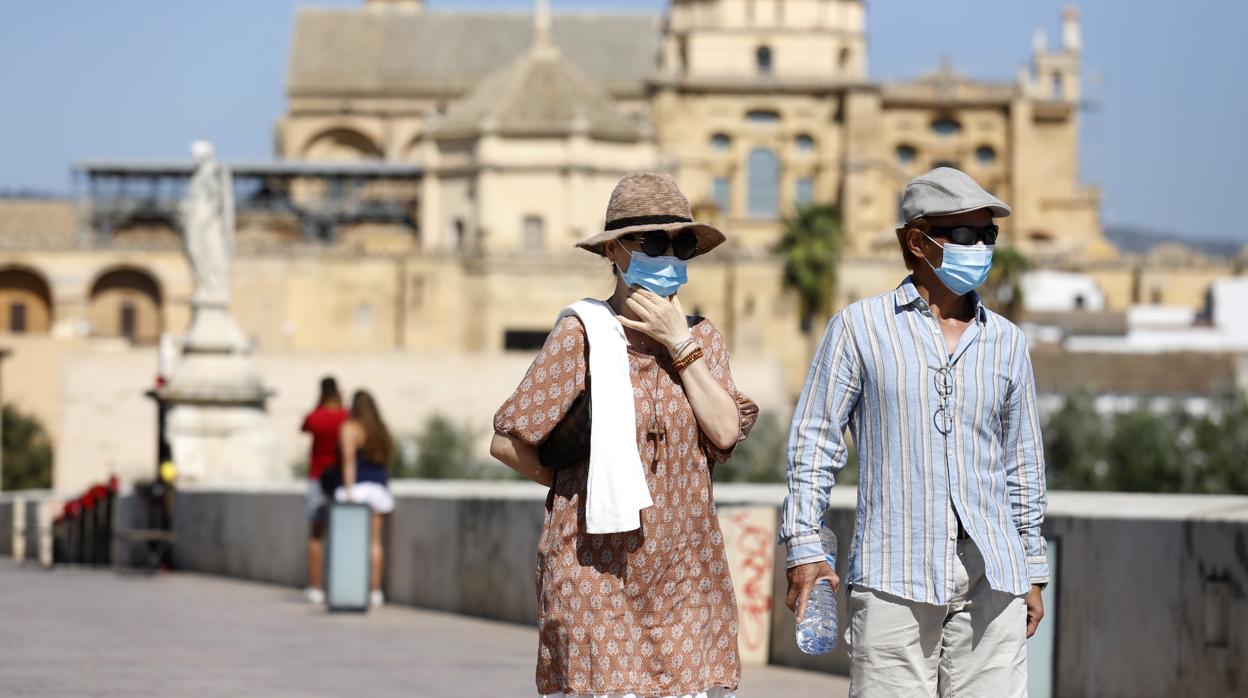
655	243
968	235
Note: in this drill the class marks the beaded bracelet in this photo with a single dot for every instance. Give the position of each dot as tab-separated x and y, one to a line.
683	348
688	359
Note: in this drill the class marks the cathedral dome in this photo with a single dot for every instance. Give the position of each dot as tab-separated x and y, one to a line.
540	94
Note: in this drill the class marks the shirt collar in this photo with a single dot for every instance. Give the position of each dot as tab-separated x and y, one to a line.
907	296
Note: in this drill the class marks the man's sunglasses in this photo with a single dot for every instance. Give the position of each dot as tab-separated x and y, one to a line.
655	243
967	235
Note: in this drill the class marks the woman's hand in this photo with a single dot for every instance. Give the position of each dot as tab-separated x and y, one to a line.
662	319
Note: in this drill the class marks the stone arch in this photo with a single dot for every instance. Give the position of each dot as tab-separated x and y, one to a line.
126	302
341	143
25	301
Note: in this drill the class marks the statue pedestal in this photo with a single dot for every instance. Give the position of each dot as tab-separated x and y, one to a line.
217	425
222	444
214	331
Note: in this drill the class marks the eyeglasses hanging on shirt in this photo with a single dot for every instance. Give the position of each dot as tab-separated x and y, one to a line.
943	419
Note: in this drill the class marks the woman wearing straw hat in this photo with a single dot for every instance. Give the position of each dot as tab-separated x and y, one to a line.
634	595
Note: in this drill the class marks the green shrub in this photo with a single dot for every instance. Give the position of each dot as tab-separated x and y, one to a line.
27	452
443	450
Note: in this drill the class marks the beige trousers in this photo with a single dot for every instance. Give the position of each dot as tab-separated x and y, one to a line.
975	646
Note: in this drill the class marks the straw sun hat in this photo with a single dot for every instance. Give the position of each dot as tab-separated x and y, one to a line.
644	201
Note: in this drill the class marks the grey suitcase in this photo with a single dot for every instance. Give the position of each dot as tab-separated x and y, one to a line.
347	558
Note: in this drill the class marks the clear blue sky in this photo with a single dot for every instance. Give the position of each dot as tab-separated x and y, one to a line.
137	79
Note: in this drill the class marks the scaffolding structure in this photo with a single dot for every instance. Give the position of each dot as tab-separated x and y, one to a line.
318	198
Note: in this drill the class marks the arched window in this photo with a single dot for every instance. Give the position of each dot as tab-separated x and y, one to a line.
342	144
763	175
804	144
126	303
720	143
25	302
459	234
1057	86
762	60
804	191
533	235
762	116
946	127
721	191
906	154
985	154
842	60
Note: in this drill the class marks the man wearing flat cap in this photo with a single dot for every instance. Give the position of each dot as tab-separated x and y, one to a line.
947	560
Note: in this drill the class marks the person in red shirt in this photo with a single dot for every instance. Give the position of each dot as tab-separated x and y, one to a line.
324	424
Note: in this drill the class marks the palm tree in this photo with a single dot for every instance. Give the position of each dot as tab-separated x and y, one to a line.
812	244
1004	288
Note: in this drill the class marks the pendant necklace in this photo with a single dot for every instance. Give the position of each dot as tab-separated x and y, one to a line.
657	431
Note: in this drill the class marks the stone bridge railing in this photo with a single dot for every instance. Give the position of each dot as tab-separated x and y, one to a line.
1150	594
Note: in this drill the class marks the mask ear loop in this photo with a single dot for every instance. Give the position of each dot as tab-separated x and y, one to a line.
925	259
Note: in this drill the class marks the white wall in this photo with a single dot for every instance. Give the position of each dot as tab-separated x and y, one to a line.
102	402
1049	290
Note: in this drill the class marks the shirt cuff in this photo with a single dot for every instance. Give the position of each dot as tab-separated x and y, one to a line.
804	549
1038	570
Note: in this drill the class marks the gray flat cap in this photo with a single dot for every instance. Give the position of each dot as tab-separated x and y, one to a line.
945	191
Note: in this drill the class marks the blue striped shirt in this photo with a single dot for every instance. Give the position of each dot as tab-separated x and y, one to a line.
883	371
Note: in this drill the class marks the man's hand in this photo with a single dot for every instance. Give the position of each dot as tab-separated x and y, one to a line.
802	579
1035	610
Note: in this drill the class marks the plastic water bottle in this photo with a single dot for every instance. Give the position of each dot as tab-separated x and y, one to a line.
817	632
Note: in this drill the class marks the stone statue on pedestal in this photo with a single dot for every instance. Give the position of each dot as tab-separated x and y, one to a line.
207	216
208	222
217	425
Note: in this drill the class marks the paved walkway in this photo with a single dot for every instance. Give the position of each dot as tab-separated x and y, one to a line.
80	632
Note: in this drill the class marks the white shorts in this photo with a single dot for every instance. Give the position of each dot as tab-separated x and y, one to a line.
376	496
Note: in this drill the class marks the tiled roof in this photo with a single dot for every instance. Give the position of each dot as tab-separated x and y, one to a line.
944	84
1158	374
541	94
37	222
447	54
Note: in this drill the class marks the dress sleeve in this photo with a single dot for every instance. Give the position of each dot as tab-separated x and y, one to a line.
715	354
552	384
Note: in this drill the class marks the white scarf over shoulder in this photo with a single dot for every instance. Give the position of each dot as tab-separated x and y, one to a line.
617	490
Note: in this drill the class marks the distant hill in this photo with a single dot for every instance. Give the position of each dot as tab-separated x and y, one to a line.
1129	238
30	194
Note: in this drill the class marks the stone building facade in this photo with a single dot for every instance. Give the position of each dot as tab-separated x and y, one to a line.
433	169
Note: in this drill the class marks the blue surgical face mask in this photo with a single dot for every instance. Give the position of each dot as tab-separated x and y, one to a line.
965	267
662	275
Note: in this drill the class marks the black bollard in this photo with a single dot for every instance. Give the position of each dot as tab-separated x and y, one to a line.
80	543
104	529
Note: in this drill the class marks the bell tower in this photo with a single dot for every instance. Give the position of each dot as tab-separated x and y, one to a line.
767	40
1054	72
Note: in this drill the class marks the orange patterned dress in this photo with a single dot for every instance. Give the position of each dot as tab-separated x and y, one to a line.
650	612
